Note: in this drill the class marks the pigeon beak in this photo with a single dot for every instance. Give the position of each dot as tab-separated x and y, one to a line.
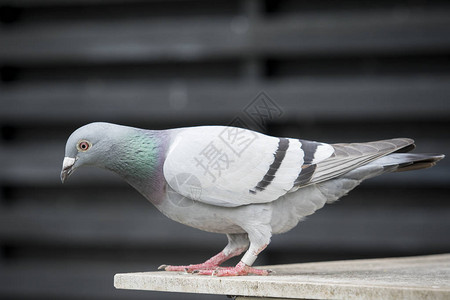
67	168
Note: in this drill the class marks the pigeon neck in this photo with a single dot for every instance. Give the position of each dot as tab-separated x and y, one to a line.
138	157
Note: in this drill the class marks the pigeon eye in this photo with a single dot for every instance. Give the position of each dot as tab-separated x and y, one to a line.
83	146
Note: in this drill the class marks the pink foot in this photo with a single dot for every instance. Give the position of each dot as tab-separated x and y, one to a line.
211	264
190	268
241	269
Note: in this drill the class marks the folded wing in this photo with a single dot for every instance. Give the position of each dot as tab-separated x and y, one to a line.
234	166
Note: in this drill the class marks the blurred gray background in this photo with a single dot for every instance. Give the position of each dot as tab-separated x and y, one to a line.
340	71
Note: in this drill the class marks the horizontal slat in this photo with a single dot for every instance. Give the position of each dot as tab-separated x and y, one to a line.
307	99
203	38
374	31
130	41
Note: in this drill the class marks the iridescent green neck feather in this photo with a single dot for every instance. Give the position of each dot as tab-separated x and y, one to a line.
138	156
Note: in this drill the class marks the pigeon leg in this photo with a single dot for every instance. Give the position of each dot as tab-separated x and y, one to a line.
237	243
258	242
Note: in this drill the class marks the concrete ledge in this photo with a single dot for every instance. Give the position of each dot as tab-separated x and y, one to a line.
421	277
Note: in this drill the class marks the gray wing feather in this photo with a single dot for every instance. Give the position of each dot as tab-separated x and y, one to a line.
350	156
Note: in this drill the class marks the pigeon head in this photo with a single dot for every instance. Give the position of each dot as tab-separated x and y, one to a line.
132	153
87	146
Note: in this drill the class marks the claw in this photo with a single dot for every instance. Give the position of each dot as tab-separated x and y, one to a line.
162	267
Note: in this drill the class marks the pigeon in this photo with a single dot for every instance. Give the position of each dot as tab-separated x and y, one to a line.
235	181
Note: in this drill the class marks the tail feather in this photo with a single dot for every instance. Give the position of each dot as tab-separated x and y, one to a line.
394	162
399	162
412	161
